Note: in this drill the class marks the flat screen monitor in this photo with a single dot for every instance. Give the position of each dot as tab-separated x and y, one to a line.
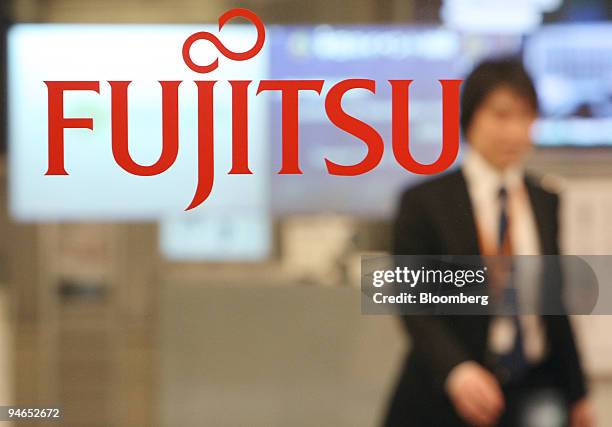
572	67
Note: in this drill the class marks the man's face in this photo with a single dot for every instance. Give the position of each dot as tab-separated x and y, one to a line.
501	127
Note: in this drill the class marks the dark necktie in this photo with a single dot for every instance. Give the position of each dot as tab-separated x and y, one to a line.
512	365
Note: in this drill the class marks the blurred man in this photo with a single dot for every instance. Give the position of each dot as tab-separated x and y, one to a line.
448	379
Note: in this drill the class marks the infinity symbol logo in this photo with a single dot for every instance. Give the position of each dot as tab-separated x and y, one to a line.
235	56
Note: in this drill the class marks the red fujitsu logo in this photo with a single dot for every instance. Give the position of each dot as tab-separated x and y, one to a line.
289	90
236	56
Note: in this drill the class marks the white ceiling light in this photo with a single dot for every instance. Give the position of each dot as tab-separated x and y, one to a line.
498	16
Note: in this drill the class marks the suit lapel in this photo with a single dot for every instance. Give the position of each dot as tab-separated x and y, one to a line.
540	213
465	237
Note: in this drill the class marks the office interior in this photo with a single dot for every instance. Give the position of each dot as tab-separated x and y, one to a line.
131	318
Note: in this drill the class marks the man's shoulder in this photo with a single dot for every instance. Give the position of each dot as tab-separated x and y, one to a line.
544	187
440	186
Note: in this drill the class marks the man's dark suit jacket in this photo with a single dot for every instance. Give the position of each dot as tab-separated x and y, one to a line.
436	218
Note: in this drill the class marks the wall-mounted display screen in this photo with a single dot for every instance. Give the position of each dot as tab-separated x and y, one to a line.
572	67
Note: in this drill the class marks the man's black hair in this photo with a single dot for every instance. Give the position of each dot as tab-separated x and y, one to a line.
489	75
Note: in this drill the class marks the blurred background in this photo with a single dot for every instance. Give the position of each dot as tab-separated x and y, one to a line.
127	311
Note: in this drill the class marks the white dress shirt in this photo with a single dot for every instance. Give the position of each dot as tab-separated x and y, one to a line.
483	182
